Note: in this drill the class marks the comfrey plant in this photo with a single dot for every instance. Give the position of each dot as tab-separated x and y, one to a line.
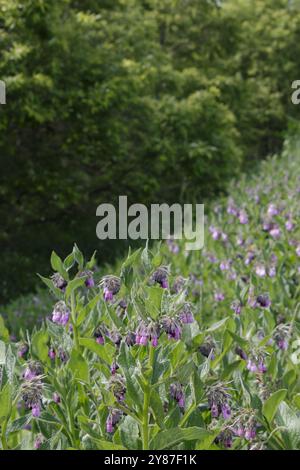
173	350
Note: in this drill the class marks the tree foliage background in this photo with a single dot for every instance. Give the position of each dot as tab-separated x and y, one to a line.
161	100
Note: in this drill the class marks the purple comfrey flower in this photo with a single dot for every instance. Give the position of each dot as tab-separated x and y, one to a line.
206	349
171	327
33	370
109	425
154	341
114	368
250	434
232	209
243	217
89	282
272	210
178	285
111	286
240	431
36	410
214	410
59	281
38	442
251	366
263	301
130	339
224	237
226	410
176	392
275	233
241	353
283	344
23	350
142	335
272	271
289	225
262	367
52	353
219	296
212	258
29	374
161	276
107	294
236	306
249	257
113	418
173	246
298	250
225	265
100	340
56	397
61	313
215	233
260	270
225	438
186	315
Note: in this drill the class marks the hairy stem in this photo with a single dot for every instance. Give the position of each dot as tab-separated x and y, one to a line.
147	394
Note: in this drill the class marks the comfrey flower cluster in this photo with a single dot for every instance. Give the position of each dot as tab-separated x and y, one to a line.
161	276
177	393
111	286
61	313
218	401
32	388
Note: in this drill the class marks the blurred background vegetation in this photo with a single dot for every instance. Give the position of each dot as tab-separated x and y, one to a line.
160	100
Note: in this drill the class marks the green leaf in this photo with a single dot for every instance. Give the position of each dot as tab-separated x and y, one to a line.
5	402
57	292
287	418
153	300
39	345
4	333
129	433
74	284
217	325
106	445
79	366
19	423
272	403
58	265
171	437
2	353
78	257
104	351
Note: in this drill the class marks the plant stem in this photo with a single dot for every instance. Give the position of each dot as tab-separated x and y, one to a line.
147	393
73	316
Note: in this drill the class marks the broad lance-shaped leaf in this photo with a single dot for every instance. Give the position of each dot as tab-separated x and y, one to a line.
272	403
289	422
171	437
5	402
79	366
74	284
39	345
57	292
58	265
104	351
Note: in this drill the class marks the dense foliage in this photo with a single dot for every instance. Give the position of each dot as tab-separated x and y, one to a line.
174	350
157	99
